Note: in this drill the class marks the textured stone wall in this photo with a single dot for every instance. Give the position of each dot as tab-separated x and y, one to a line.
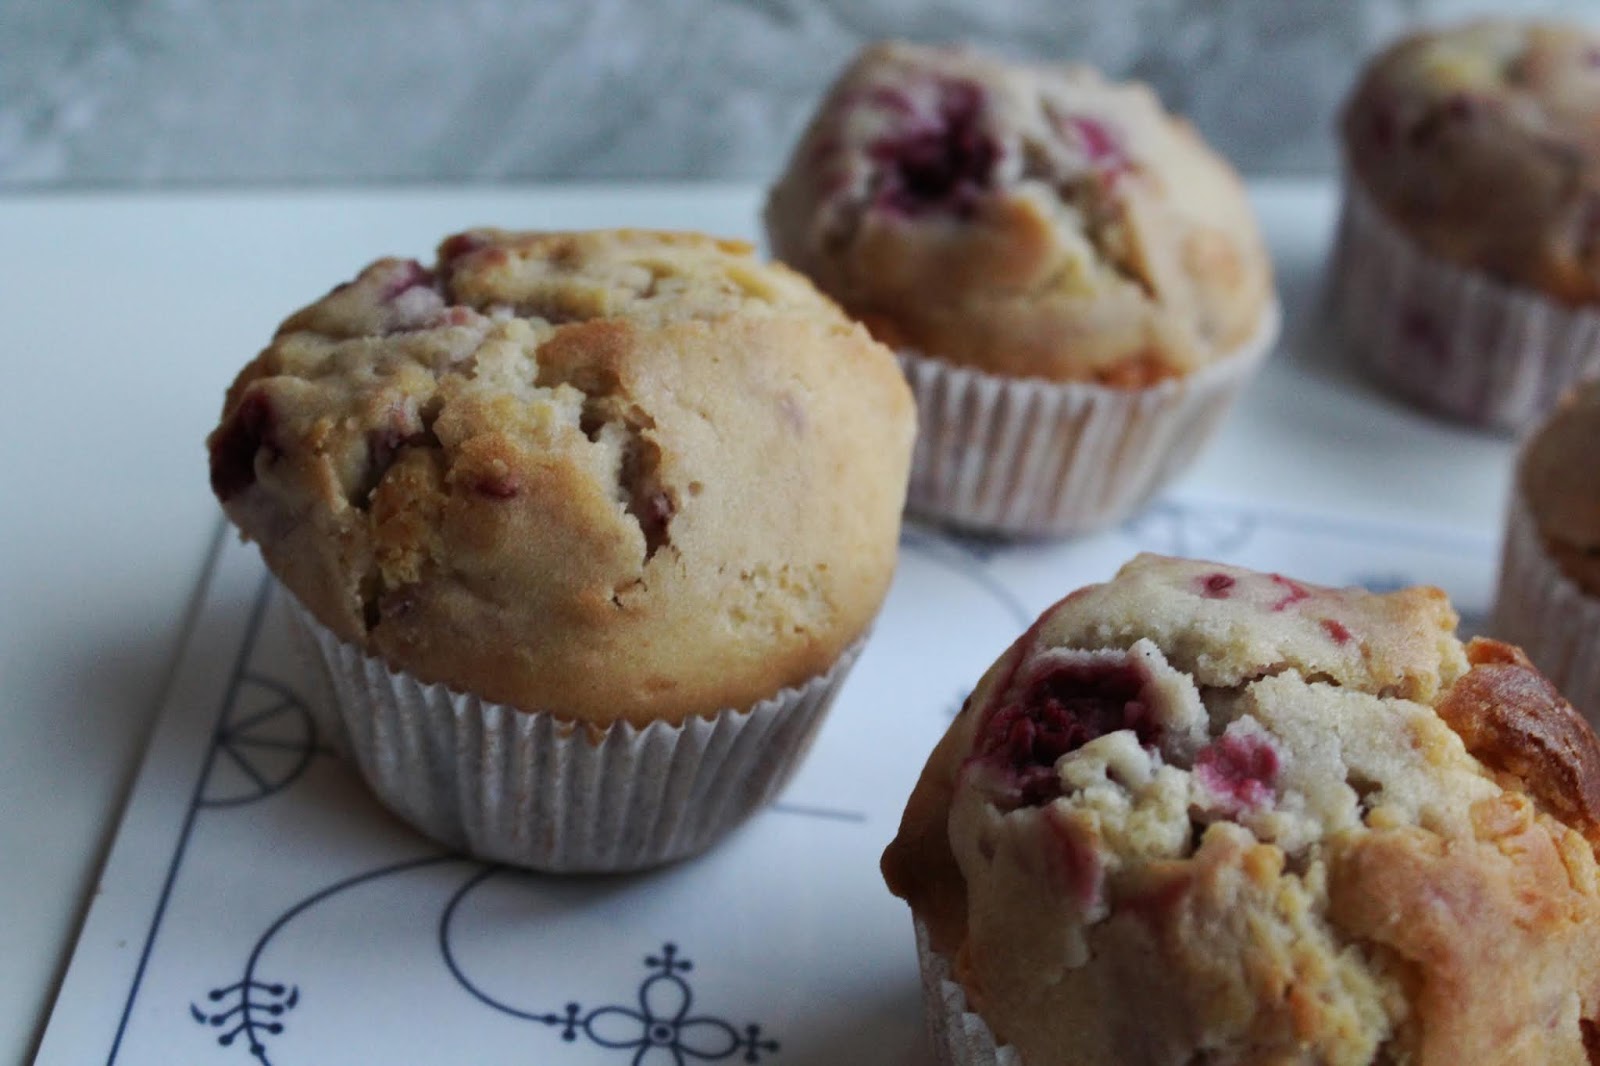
181	91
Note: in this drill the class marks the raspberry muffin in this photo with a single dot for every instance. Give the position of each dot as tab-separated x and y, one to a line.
1469	253
1549	597
1074	281
587	528
1203	814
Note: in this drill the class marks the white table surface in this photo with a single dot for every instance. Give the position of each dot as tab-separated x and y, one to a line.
123	317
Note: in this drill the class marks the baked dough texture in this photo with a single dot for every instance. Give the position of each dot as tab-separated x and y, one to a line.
1557	477
1029	221
1201	814
1482	143
613	475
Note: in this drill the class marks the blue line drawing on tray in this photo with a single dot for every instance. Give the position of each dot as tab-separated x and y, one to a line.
268	739
660	1031
1178	529
980	546
263	740
960	555
249	998
258	607
257	1006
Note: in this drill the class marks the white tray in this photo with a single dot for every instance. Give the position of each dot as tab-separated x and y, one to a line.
259	906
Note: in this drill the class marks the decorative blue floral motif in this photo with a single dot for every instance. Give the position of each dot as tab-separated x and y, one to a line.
662	1032
264	742
251	1000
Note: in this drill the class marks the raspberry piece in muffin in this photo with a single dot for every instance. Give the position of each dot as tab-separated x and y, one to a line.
1376	849
943	163
1066	702
1074	281
586	530
545	447
1032	221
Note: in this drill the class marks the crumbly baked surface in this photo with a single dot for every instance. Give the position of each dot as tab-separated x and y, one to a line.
1557	478
1203	814
1024	220
1483	143
614	475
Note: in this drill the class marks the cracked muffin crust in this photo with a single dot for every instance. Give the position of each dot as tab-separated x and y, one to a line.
1203	814
614	475
1482	143
1548	599
1556	481
1027	221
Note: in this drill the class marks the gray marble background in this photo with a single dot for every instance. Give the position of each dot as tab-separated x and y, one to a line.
150	92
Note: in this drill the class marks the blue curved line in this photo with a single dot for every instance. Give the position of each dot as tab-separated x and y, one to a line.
666	975
251	720
243	764
258	608
644	1020
585	1023
735	1042
277	686
962	561
227	731
445	919
310	751
249	980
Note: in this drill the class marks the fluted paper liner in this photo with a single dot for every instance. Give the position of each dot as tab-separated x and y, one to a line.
535	790
1540	609
1447	337
959	1037
1028	457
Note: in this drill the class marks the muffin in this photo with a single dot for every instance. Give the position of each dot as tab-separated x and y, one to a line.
1469	251
1075	283
587	528
1204	814
1549	594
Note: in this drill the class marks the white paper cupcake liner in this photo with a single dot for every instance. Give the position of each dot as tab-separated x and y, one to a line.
1544	612
1448	338
535	790
1028	457
959	1037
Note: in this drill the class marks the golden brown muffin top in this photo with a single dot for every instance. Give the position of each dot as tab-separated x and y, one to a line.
615	475
1559	477
1031	221
1200	813
1482	142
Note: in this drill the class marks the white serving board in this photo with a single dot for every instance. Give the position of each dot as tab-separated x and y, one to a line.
259	906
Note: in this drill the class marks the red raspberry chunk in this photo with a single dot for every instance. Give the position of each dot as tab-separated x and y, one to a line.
943	164
235	445
1241	768
1060	709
